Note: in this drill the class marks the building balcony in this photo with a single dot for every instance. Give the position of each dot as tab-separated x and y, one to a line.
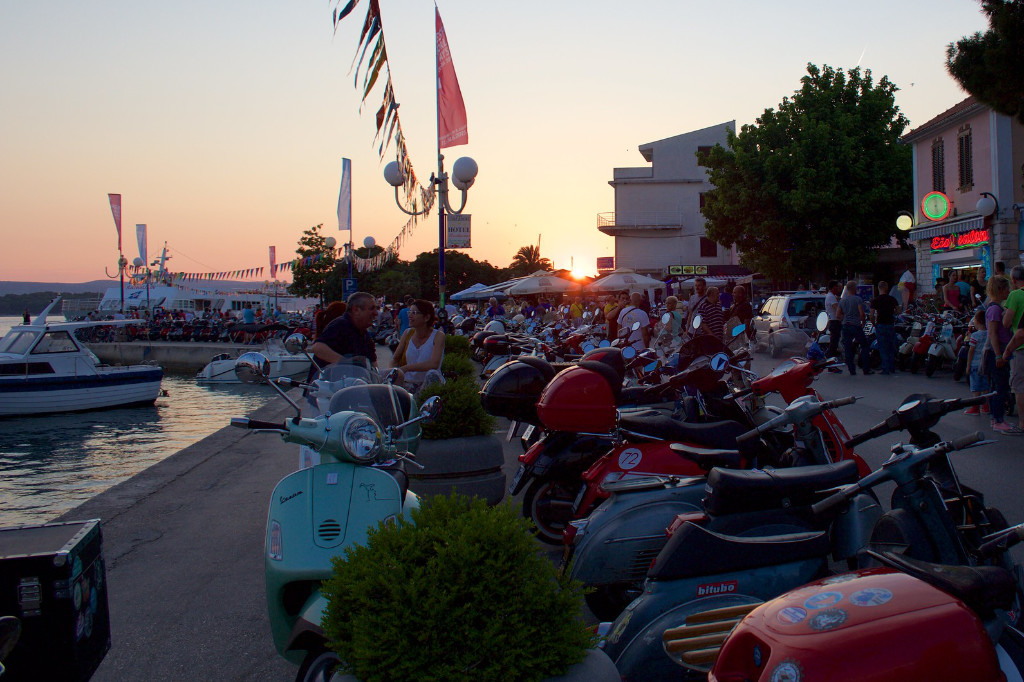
618	223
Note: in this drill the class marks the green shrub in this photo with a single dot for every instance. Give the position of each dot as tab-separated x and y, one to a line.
457	345
461	411
461	593
455	366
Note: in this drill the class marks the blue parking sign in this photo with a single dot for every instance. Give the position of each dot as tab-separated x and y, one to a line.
349	286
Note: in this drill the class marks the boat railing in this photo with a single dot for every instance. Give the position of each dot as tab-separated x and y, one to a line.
77	308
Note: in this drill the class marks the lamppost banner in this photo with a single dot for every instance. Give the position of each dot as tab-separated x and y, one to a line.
140	233
345	197
273	262
451	109
115	209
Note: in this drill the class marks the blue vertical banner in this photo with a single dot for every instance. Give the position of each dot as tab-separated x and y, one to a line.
986	258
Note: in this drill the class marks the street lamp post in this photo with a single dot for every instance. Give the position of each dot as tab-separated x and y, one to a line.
138	262
463	175
329	244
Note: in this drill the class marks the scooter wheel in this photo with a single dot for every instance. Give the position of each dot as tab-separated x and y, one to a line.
549	505
317	666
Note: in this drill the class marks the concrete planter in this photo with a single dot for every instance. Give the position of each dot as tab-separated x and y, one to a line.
470	466
596	667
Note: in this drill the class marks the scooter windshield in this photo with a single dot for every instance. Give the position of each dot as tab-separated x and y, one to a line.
349	371
386	404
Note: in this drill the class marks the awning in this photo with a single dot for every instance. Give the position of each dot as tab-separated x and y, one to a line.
948	227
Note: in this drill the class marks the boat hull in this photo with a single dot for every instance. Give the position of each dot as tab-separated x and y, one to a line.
223	371
114	387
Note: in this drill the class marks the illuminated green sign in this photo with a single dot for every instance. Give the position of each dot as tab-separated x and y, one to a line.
936	206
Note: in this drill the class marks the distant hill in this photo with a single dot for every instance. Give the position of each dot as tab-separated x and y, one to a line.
96	286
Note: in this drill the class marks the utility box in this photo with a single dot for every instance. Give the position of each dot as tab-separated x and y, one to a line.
53	579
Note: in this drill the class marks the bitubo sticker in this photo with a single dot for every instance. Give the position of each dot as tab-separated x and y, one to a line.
823	600
717	588
629	458
872	596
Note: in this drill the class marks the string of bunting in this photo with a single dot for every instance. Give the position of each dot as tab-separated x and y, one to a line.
389	125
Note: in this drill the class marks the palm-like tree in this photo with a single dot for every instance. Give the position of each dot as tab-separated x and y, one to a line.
528	259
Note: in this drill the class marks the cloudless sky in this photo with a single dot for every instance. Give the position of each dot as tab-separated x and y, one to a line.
223	124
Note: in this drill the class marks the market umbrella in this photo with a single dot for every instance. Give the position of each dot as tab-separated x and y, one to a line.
467	294
542	284
623	279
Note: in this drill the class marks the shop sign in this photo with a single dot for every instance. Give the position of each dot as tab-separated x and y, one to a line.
606	263
964	240
936	206
675	269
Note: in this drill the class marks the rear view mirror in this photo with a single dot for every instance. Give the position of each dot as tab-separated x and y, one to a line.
431	408
666	318
822	321
738	329
252	368
587	347
296	343
604	343
629	352
636	325
719	362
696	322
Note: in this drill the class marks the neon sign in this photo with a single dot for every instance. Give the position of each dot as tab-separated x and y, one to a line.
936	206
964	240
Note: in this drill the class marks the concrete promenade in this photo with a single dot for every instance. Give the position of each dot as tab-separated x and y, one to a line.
183	540
171	355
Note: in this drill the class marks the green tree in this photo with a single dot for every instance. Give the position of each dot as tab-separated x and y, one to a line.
461	272
527	261
811	188
310	275
990	65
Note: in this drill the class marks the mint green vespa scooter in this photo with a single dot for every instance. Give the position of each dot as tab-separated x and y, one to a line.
364	440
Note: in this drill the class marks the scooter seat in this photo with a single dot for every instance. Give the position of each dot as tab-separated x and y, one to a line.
708	458
659	426
982	588
736	492
696	551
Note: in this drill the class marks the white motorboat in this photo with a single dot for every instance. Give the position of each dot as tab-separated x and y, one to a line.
221	369
45	369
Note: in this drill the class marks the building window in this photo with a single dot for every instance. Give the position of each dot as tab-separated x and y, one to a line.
701	199
708	248
702	154
965	149
938	167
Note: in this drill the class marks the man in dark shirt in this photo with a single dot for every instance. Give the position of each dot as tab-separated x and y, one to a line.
347	334
883	315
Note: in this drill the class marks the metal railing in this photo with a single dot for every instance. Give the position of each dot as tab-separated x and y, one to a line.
640	219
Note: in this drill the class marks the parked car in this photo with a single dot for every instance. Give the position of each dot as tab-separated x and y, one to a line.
786	320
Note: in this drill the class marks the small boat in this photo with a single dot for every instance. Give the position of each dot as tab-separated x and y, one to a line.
221	369
45	369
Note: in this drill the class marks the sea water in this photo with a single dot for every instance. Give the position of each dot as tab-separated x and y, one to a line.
51	464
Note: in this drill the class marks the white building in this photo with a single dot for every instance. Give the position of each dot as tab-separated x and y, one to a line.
657	223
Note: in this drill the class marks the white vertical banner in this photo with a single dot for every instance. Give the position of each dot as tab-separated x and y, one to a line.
140	233
345	197
457	231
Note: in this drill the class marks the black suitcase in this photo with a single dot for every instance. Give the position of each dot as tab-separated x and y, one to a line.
52	578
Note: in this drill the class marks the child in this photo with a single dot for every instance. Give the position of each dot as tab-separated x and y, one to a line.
979	381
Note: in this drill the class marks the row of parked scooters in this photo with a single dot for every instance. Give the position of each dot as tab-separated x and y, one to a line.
693	509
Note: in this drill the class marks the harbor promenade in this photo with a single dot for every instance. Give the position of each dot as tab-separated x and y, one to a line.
171	355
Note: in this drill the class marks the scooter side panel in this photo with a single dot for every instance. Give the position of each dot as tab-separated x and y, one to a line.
627	531
659	597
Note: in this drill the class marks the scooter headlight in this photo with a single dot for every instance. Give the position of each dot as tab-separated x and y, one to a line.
362	439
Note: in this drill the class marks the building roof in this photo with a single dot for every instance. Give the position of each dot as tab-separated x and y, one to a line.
964	109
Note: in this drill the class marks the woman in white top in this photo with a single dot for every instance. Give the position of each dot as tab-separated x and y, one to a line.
421	348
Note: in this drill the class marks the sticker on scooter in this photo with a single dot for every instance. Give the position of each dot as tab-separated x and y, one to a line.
791	615
787	671
837	579
332	479
371	491
872	596
823	600
828	619
629	458
717	588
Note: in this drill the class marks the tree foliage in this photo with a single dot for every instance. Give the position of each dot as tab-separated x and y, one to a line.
310	279
460	272
812	187
990	65
527	261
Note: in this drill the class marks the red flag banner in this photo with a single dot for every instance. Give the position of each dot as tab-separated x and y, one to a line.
115	209
451	110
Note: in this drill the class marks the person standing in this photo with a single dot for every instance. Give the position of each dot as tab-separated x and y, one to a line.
742	310
576	312
712	318
835	325
700	290
995	362
611	316
883	316
26	318
675	325
1012	321
632	313
495	309
978	285
347	335
975	377
951	292
852	315
907	285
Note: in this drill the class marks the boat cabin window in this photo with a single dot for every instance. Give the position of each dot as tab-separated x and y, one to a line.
24	368
55	342
18	342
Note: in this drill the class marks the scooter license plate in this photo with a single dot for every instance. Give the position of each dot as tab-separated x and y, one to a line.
528	433
512	428
515	479
579	499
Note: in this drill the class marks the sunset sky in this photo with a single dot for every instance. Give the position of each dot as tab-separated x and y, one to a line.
223	124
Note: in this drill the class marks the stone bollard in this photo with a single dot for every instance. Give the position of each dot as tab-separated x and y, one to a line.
470	466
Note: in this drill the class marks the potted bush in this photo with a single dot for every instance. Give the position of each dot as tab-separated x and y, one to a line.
461	593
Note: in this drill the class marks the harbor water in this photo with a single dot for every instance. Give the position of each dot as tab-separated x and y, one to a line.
53	463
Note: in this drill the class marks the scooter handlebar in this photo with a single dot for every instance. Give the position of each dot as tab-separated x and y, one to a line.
967	441
246	423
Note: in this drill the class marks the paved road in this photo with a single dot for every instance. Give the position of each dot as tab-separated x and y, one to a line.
183	540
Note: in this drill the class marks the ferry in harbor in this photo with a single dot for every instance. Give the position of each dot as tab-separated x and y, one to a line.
177	297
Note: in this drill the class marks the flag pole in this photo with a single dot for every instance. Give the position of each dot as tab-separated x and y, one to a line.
440	175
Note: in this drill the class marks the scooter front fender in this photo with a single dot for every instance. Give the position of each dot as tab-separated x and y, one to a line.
307	633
